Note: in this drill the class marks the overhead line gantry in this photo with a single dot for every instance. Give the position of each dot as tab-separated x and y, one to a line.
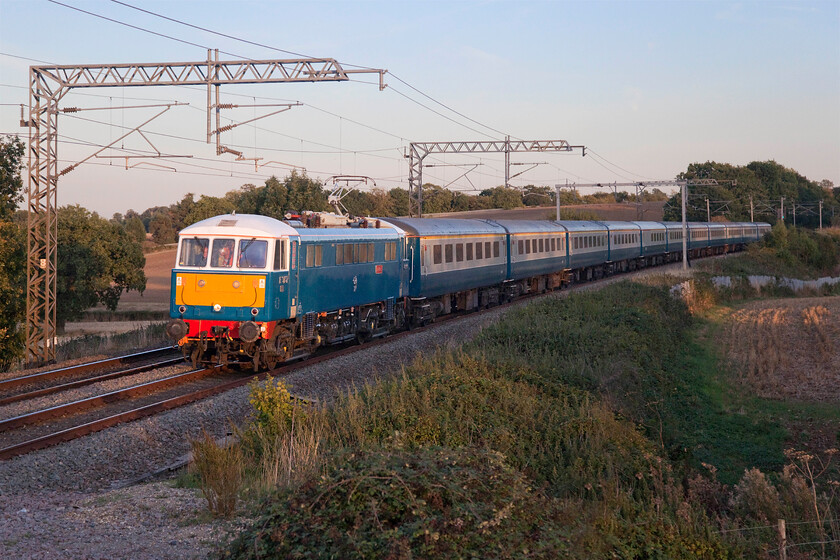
49	84
419	150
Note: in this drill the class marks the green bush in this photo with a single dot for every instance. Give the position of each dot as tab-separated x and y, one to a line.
429	503
560	437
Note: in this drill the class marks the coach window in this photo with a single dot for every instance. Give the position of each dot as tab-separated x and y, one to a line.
542	246
362	252
521	247
533	245
310	256
486	249
459	252
527	246
194	252
478	252
469	251
371	252
347	249
222	256
339	253
252	253
496	249
436	254
448	252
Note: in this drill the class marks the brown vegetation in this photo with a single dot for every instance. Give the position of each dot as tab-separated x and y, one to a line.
788	348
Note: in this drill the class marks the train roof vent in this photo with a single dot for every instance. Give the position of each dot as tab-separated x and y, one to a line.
227	223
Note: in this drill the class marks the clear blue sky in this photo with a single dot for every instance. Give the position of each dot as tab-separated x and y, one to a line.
648	87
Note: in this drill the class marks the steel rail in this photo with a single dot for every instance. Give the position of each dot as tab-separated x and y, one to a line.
105	398
79	368
88	381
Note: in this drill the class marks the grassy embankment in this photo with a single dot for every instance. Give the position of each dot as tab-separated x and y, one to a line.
602	425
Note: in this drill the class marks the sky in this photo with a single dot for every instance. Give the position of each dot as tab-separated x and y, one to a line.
648	87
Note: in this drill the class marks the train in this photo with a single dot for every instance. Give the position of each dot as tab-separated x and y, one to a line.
256	291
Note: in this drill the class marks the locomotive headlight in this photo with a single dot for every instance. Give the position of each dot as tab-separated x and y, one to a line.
254	311
217	307
182	309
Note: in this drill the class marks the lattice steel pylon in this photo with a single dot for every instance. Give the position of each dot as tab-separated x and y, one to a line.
419	150
49	84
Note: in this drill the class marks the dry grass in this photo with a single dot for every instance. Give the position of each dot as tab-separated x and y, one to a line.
219	469
788	348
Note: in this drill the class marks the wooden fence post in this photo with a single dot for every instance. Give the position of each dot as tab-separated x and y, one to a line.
782	540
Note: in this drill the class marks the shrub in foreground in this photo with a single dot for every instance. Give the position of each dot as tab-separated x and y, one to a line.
429	503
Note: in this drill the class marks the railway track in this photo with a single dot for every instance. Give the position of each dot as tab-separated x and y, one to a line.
57	424
42	377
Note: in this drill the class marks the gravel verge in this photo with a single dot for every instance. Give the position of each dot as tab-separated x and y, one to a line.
71	501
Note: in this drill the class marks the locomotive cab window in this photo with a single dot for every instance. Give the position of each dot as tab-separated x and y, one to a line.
252	253
222	254
279	255
194	252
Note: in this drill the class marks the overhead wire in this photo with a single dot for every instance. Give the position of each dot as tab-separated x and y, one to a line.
262	45
596	154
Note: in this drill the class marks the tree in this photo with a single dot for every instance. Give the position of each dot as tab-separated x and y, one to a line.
97	261
11	184
161	228
305	193
207	207
436	199
399	201
12	255
135	228
503	197
180	210
537	196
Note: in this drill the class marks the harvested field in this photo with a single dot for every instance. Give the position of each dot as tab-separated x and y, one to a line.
788	349
156	297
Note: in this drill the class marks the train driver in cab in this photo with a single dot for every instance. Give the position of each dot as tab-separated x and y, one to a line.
223	253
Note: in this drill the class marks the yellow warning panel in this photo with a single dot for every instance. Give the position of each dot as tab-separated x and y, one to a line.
227	290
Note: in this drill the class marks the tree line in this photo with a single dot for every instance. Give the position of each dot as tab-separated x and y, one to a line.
297	192
763	182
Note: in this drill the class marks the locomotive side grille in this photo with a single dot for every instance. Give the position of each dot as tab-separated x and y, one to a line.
309	325
389	309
